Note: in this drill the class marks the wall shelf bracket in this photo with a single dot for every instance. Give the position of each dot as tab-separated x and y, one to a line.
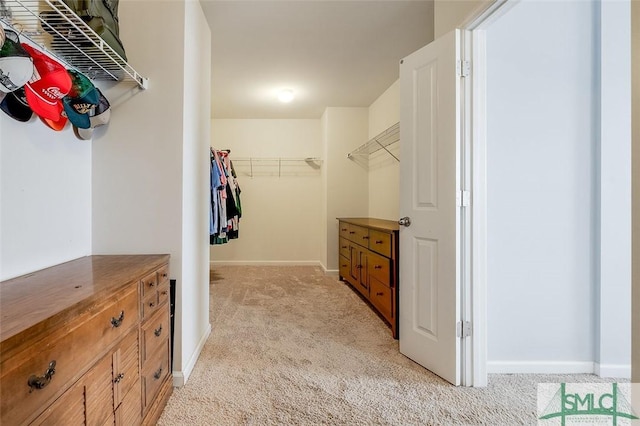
381	141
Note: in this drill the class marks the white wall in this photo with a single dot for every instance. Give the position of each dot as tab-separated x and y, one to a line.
144	201
384	170
541	171
281	215
635	49
193	311
347	192
45	196
613	351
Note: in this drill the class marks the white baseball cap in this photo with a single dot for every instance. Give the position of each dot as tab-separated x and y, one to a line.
16	65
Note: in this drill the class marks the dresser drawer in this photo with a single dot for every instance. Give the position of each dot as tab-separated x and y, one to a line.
163	275
163	292
379	267
69	354
150	284
344	230
154	333
381	297
150	304
154	372
380	242
344	266
344	247
67	410
359	235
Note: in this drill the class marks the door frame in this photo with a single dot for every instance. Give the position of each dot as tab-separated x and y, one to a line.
474	244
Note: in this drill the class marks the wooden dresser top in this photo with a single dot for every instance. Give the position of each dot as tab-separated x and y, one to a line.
369	222
63	290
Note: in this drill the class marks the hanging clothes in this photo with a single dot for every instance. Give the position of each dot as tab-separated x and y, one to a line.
225	211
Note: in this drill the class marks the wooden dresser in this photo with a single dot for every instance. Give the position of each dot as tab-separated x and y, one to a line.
369	262
86	342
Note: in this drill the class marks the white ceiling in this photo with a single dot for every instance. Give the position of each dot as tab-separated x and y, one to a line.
331	53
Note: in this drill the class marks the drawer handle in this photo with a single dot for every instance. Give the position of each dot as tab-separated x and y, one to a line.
151	283
352	232
117	322
377	267
164	293
379	293
152	304
158	331
118	378
365	237
157	374
379	241
164	275
345	246
359	266
344	229
344	266
40	382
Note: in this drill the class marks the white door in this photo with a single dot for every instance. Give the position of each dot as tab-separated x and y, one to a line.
429	188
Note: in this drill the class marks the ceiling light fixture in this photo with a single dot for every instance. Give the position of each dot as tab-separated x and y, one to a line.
285	95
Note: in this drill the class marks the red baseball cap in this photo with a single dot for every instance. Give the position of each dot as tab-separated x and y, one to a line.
50	83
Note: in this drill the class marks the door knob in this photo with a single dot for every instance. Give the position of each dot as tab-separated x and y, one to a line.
405	221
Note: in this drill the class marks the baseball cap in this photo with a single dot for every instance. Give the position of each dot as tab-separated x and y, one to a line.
15	105
99	116
16	65
50	83
82	98
56	125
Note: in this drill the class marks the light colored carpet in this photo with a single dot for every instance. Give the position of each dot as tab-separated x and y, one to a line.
291	346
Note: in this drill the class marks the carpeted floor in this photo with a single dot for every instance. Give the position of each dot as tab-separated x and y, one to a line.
291	346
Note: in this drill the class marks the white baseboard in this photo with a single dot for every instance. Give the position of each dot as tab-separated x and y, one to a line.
613	370
540	367
264	263
181	377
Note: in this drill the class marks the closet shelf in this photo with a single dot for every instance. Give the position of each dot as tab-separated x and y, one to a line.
381	141
77	45
277	166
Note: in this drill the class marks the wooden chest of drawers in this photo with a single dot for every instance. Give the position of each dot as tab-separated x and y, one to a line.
77	341
368	261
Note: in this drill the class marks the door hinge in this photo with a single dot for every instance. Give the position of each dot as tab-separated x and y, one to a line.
463	68
463	198
463	329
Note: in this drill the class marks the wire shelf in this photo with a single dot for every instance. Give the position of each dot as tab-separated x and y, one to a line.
381	141
278	166
52	27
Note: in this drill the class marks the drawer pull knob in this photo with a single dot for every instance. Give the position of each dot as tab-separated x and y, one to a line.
42	381
158	331
379	294
352	232
118	378
345	246
157	374
117	322
151	283
344	229
365	237
164	275
164	293
377	267
378	241
152	304
344	266
359	266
